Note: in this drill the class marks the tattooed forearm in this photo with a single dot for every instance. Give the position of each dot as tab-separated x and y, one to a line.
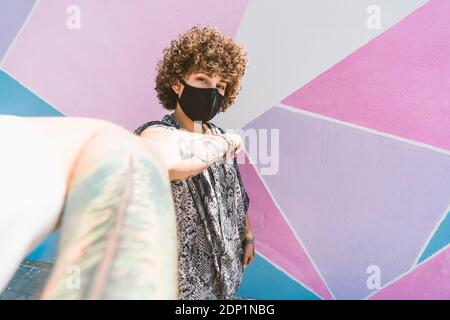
118	226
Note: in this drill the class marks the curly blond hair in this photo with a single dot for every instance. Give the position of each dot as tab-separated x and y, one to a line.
201	49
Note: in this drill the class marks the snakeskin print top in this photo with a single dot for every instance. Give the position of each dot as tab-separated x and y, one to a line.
211	209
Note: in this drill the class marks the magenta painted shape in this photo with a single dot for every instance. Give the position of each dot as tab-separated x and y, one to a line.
428	281
274	239
398	83
106	69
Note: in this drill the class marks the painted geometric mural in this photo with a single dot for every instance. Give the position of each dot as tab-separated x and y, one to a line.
362	186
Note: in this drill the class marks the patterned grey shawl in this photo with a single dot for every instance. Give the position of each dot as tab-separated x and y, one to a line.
211	208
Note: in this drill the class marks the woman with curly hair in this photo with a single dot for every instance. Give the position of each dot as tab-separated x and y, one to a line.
198	77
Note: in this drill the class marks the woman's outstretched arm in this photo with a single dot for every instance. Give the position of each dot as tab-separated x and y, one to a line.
118	228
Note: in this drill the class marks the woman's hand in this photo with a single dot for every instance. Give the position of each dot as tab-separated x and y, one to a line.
249	251
235	142
186	154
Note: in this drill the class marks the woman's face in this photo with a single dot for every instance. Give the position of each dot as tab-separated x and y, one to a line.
202	80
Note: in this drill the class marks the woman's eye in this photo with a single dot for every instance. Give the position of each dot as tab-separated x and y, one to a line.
222	87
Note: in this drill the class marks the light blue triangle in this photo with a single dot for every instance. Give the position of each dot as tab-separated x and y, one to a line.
439	240
263	281
47	249
17	100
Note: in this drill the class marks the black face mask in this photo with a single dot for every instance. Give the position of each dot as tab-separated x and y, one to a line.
200	104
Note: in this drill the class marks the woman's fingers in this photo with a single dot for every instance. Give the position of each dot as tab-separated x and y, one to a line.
248	260
238	148
251	258
248	255
235	141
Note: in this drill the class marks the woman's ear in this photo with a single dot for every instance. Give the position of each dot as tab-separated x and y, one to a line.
176	86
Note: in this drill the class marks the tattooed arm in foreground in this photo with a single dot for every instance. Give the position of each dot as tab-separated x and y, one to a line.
118	236
118	230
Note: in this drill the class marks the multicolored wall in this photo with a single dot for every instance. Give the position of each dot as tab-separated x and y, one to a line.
359	96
